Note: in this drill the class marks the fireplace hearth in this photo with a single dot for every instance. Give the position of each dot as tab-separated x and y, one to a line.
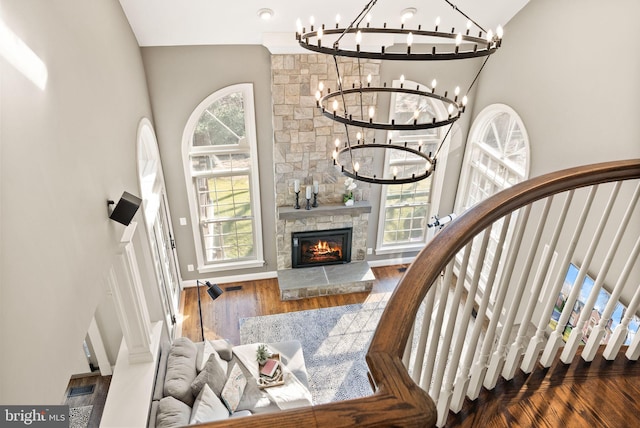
321	247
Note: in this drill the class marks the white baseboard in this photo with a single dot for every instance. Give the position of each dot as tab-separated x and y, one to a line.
232	278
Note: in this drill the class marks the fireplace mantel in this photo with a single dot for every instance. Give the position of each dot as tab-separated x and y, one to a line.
290	213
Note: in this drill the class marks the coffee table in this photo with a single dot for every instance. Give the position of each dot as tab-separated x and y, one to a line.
295	391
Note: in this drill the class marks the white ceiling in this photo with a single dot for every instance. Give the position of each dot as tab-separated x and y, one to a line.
211	22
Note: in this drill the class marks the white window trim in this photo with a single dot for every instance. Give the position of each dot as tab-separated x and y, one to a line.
250	131
436	191
476	127
463	186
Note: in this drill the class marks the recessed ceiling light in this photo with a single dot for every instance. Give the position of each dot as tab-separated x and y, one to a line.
408	13
265	14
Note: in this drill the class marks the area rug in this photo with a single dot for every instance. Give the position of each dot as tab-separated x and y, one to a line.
334	342
79	416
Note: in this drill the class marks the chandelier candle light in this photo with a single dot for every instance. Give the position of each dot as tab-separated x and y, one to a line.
420	46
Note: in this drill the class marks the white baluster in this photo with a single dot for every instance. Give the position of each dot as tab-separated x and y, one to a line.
459	393
621	331
497	358
427	374
556	340
424	332
537	341
633	352
513	357
406	357
575	338
451	322
480	367
590	349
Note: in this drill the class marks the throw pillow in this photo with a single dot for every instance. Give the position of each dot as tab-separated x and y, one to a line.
172	413
223	348
233	388
208	407
181	370
201	360
213	375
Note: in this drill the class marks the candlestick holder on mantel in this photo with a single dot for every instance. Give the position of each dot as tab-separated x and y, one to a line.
297	205
308	207
315	200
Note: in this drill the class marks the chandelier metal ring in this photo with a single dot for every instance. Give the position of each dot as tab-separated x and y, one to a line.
431	163
481	46
457	109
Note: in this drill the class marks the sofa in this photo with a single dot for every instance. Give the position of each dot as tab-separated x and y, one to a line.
207	381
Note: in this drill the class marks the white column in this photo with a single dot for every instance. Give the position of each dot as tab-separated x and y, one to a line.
128	296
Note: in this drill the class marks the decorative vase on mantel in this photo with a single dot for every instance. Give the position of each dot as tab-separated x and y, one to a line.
349	186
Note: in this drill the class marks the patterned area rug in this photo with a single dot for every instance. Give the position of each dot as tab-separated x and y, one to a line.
79	416
334	342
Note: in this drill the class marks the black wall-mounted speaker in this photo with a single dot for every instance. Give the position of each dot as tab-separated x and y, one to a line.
126	208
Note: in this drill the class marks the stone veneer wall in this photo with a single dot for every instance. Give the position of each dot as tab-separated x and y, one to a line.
304	141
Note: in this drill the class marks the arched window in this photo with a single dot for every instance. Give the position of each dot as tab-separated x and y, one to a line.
405	208
497	157
221	170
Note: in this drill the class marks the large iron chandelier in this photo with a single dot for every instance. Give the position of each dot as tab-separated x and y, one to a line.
421	45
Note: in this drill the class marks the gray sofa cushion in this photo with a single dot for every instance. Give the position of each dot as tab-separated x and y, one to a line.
172	413
158	389
212	375
221	346
181	370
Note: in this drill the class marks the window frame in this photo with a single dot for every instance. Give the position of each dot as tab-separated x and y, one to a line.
189	150
434	188
477	131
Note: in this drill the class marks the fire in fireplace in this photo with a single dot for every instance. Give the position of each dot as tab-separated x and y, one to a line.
321	247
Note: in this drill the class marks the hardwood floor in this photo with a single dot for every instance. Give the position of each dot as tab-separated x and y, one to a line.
96	399
597	394
255	298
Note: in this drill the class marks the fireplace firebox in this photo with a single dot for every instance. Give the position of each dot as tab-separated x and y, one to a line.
321	247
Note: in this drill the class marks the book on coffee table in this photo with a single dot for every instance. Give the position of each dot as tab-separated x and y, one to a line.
269	368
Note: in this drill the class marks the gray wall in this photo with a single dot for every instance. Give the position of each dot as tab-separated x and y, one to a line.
179	78
575	86
65	150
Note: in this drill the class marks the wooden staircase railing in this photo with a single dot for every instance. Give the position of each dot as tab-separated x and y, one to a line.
420	369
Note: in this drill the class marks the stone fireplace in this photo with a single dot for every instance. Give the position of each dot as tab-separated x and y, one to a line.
303	143
321	247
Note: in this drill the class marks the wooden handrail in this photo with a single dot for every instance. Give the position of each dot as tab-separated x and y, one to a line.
397	400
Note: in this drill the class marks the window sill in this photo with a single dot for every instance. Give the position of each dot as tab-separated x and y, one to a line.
231	266
400	248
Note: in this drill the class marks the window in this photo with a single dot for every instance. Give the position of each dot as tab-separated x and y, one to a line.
497	157
220	157
405	207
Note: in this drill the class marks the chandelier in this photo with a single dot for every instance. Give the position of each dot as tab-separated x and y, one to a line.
422	44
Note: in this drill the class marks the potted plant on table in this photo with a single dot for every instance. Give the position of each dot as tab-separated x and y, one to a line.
262	354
